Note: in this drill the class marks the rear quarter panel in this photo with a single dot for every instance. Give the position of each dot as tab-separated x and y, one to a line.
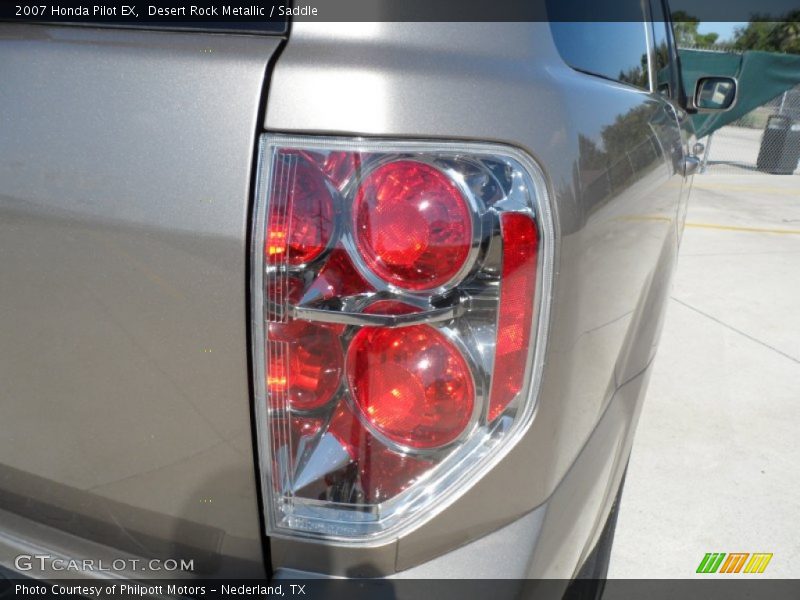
125	166
611	155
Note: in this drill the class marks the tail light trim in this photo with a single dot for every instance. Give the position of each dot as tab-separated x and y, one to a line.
452	477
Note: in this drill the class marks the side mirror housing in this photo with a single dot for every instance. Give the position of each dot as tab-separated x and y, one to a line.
715	94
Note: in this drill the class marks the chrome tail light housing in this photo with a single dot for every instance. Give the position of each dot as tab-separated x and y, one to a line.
400	300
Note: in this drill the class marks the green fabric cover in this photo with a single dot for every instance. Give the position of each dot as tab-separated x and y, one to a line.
762	76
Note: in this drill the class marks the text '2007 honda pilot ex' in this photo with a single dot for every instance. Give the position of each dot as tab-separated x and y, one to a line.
367	299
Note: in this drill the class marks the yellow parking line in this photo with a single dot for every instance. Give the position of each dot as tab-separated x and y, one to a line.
747	229
713	225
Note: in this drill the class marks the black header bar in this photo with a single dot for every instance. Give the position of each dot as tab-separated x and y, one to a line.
273	17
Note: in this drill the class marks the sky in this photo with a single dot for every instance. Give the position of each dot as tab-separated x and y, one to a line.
725	29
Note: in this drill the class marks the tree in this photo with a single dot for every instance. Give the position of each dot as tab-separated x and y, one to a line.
770	36
686	34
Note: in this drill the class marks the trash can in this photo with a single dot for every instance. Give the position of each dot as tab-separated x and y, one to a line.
780	146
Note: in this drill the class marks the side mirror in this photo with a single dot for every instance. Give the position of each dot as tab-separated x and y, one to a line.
714	94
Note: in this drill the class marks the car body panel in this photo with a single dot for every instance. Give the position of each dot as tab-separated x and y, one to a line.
548	542
125	162
613	156
125	174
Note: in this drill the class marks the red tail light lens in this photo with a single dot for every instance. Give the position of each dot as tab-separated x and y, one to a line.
306	363
338	278
412	384
413	226
517	287
382	472
399	311
301	213
341	166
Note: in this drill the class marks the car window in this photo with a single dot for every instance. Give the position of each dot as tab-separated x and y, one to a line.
613	50
663	74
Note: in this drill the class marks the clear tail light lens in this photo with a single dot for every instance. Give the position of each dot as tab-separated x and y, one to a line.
400	299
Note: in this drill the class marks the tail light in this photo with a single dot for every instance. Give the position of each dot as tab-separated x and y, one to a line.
412	225
400	298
